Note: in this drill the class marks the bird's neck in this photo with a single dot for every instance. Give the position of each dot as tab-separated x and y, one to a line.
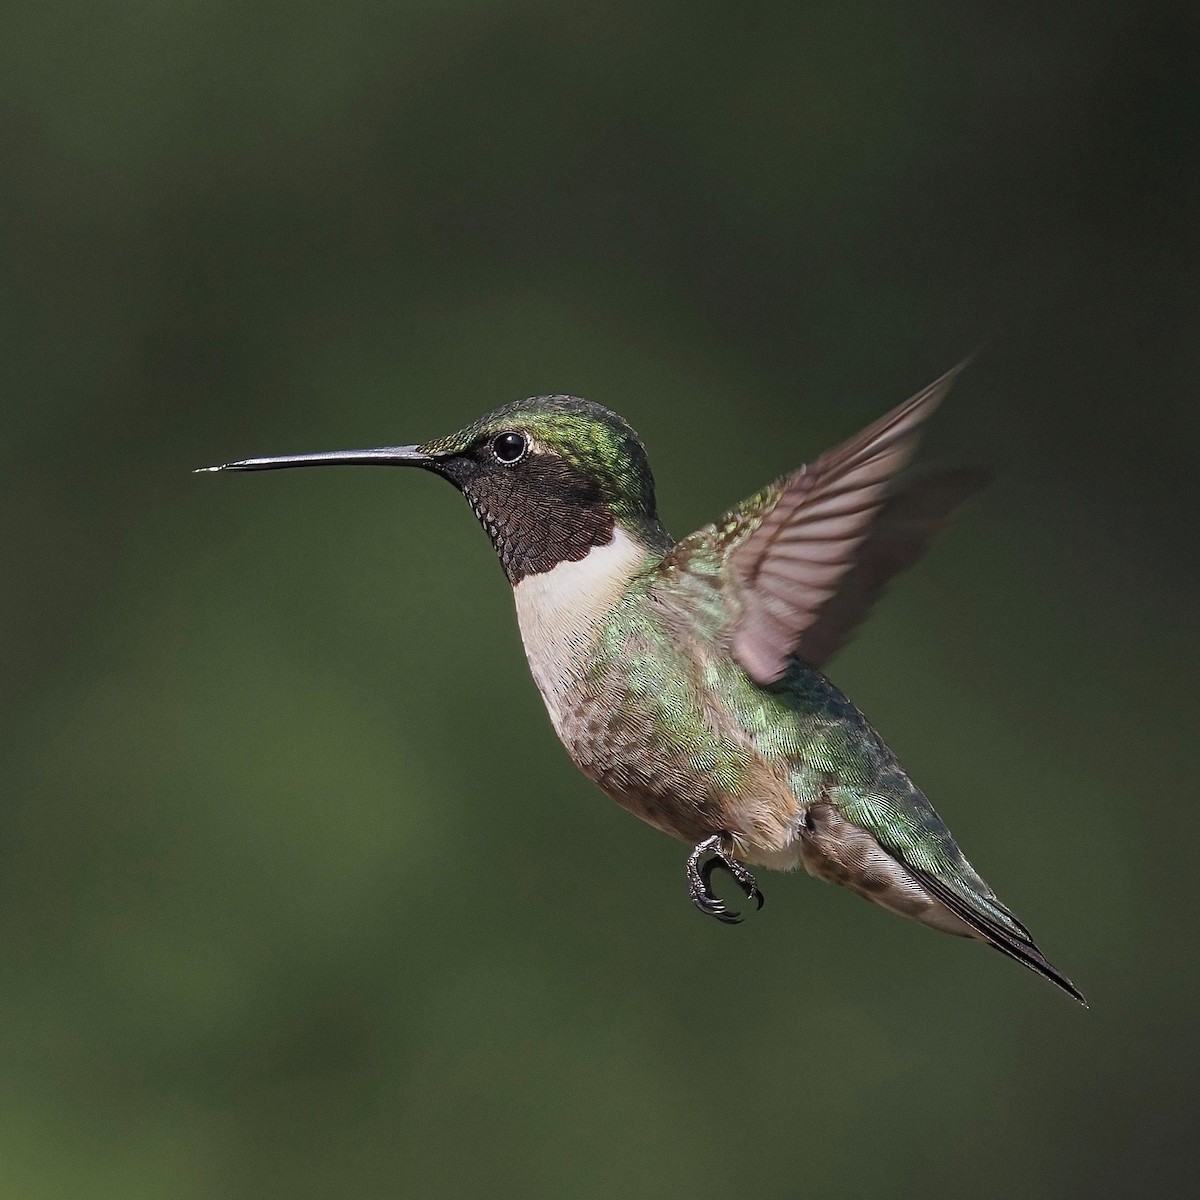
560	610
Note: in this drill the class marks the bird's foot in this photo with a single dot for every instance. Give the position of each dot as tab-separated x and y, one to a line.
699	874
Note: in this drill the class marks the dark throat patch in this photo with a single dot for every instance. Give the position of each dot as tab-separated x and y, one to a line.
543	513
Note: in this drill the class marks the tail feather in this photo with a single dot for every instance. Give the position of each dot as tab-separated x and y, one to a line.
1010	937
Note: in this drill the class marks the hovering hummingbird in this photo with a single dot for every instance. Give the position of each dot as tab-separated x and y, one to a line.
685	678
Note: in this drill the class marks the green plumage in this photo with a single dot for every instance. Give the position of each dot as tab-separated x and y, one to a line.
658	667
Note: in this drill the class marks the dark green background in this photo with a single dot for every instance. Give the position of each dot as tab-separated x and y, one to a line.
299	897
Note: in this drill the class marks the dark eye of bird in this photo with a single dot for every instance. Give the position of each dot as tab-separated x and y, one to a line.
509	447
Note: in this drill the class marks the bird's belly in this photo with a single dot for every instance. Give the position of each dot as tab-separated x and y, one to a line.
667	725
688	778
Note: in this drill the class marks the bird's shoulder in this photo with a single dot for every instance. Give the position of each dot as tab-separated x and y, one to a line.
712	544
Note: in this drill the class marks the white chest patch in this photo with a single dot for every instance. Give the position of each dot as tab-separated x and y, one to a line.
559	611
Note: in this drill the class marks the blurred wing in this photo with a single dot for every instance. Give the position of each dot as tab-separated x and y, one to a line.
911	517
790	569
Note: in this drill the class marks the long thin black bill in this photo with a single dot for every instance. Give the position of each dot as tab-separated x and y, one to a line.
384	456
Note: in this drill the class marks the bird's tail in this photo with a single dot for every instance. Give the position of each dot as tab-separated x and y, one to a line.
999	928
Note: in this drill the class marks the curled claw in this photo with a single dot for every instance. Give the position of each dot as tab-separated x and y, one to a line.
743	878
708	902
699	871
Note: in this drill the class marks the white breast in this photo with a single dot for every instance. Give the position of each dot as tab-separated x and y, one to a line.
559	612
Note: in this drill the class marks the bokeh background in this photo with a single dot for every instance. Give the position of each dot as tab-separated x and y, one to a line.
299	897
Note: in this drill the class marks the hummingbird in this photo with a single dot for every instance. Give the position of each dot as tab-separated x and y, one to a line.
686	678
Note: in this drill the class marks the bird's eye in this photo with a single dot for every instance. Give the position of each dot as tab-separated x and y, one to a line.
510	448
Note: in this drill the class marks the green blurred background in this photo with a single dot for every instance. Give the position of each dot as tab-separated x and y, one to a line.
299	896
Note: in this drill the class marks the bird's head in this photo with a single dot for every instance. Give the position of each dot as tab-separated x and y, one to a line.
549	478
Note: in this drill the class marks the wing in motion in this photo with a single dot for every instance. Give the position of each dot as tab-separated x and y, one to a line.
828	537
911	517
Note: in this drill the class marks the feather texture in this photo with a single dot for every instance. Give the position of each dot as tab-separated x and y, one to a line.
806	542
